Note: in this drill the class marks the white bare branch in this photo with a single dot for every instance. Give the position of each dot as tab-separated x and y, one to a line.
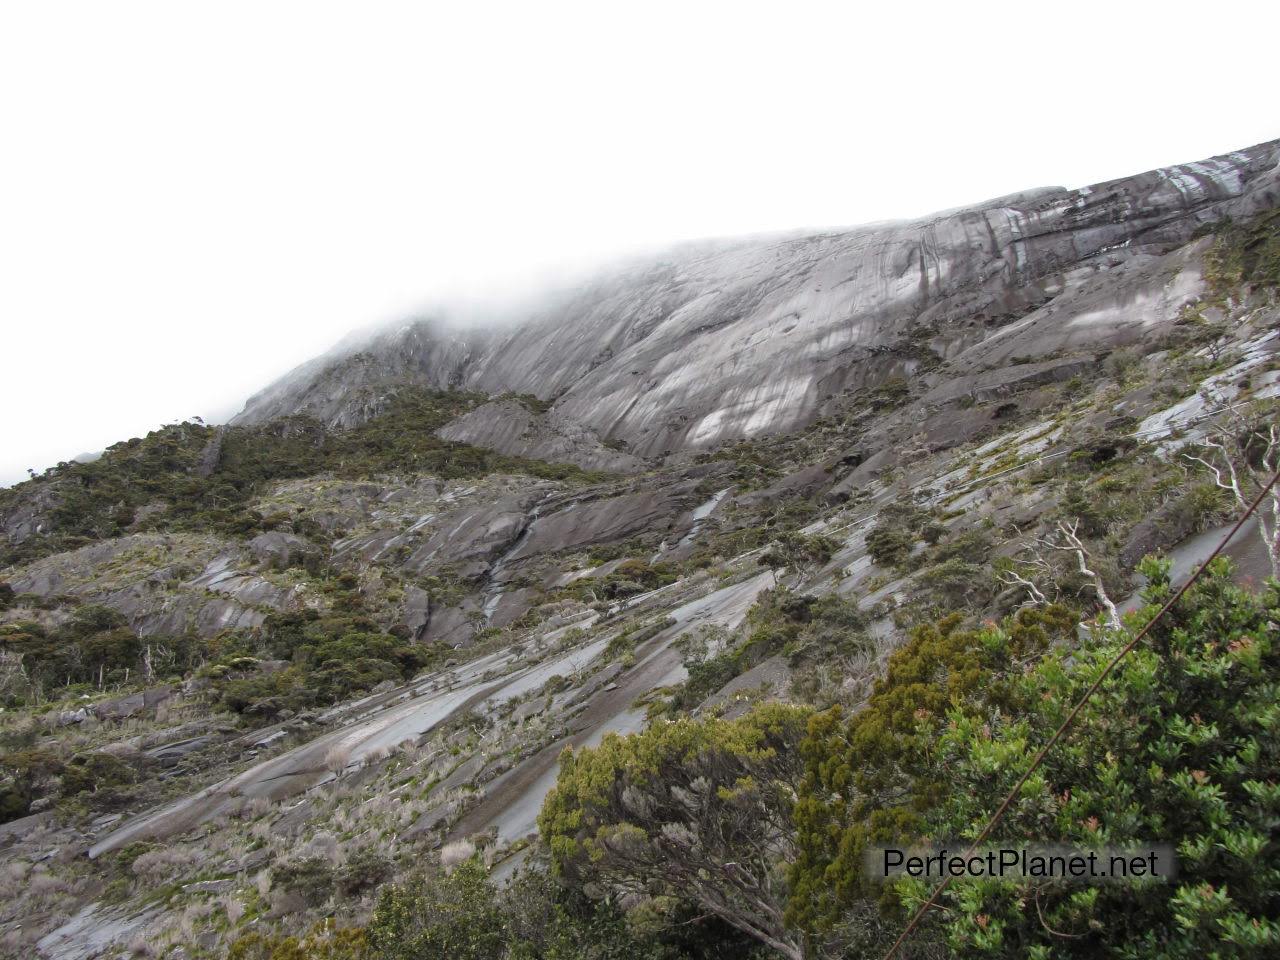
1015	579
1237	466
1066	540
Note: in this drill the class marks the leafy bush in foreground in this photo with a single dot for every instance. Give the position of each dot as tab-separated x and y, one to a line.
1180	745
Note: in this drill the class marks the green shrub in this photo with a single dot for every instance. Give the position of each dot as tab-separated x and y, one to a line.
363	870
1178	746
311	878
868	777
91	772
454	915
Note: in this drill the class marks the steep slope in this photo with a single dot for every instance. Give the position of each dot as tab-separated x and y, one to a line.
250	673
757	337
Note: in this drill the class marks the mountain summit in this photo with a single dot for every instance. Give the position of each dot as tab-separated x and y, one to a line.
759	337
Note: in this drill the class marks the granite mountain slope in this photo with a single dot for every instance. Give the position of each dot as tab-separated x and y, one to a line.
251	672
760	336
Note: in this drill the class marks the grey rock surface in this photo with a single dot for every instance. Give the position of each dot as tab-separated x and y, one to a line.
164	584
510	427
752	337
281	550
415	613
602	521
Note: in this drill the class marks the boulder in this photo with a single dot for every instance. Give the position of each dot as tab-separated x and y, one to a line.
133	705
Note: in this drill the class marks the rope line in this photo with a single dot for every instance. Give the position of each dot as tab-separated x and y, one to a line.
1075	711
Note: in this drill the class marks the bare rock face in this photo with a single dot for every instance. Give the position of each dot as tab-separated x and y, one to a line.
415	611
29	515
579	524
453	626
122	708
471	538
752	338
211	455
279	550
510	427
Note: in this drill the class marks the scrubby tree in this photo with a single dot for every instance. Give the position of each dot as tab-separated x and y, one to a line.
452	915
869	777
694	808
323	942
799	552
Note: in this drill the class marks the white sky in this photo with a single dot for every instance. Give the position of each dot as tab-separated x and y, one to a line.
195	197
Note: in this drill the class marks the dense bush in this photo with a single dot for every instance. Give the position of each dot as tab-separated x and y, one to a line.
868	777
899	527
94	646
460	914
322	943
1178	746
331	656
780	622
454	915
693	808
25	775
798	552
91	772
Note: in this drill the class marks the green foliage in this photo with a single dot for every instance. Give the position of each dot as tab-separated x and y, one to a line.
332	656
324	942
898	528
664	810
531	403
453	915
755	463
311	878
629	578
363	870
1092	513
534	917
868	778
549	921
779	621
893	392
634	635
1178	746
799	552
890	544
91	772
94	646
25	775
954	574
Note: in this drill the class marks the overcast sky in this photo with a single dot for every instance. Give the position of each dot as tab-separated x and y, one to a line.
195	197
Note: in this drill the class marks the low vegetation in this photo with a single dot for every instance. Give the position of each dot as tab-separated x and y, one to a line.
758	824
190	476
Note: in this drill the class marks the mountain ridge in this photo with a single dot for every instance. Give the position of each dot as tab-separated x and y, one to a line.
751	340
